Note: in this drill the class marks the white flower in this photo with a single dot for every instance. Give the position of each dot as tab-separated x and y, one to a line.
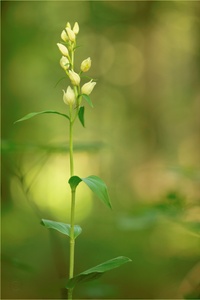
69	96
64	62
68	25
86	64
71	34
63	49
76	28
87	88
64	36
74	77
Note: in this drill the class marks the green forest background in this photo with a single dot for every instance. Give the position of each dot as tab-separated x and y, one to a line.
142	138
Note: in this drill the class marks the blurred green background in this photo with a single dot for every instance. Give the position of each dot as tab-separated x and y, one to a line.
142	138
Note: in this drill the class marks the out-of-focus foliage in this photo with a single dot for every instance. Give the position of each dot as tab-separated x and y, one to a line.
141	137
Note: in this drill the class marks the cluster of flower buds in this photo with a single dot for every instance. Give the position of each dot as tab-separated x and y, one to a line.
67	48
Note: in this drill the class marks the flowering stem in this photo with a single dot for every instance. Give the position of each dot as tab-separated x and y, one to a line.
72	59
73	98
71	144
72	239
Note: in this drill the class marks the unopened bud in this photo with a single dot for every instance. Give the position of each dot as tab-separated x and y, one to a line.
74	77
68	25
71	34
69	96
64	62
63	49
86	64
87	88
64	36
76	28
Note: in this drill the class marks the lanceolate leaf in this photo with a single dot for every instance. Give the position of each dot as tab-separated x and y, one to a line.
87	98
96	184
61	227
97	271
31	115
81	115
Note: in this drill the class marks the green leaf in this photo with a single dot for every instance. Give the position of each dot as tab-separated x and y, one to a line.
81	115
99	188
59	81
96	184
97	271
31	115
61	227
77	47
74	181
87	98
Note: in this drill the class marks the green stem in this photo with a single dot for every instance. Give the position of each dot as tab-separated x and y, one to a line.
72	56
72	239
71	148
72	242
70	291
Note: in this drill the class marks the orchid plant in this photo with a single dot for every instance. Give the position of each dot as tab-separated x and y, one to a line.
74	97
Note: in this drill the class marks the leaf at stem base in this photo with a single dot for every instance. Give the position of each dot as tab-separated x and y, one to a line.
61	227
33	114
97	271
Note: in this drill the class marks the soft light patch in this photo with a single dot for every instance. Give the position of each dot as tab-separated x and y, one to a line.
51	191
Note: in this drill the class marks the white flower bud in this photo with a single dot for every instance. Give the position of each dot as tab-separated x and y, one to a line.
87	88
76	28
68	25
86	64
69	96
71	34
64	36
74	77
64	62
63	49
